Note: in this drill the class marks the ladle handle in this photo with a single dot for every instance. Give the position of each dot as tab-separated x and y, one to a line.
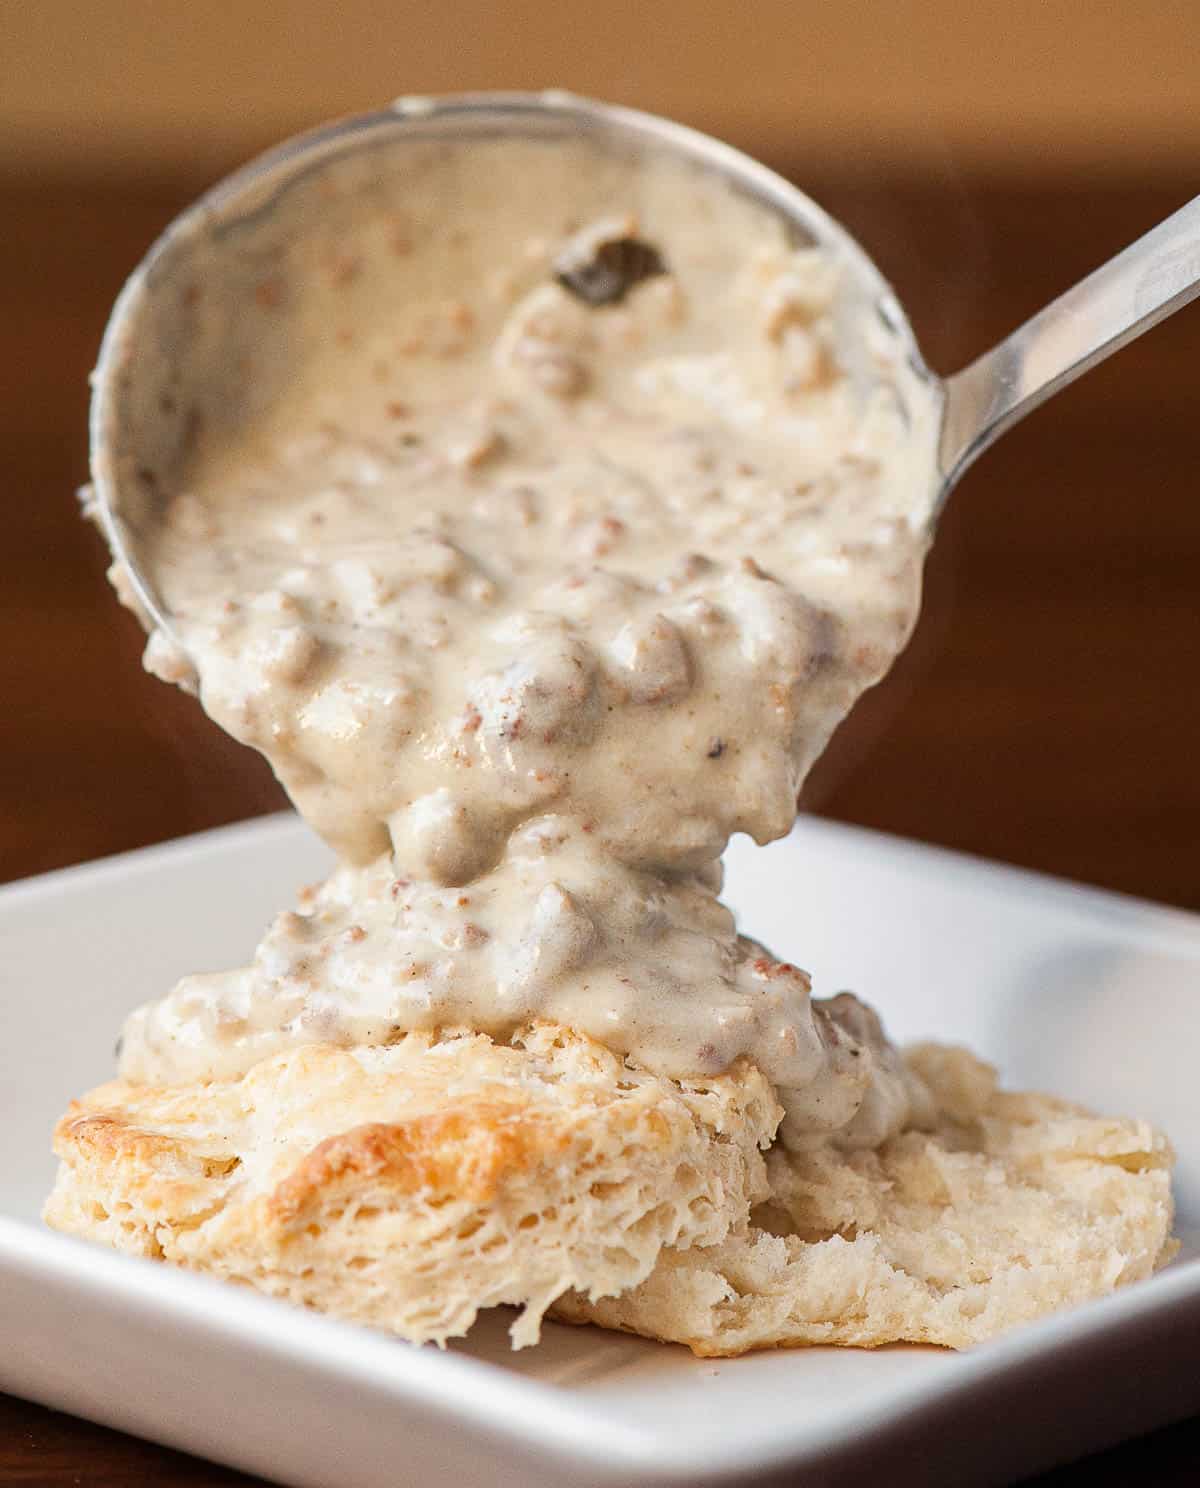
1142	285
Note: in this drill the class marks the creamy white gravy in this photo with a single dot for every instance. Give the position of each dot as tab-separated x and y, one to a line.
532	602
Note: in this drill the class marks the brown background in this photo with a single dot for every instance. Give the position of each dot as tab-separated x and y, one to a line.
1047	712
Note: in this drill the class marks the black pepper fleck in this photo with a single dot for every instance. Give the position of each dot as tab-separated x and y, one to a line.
610	270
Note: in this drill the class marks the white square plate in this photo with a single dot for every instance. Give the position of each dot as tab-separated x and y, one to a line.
1088	994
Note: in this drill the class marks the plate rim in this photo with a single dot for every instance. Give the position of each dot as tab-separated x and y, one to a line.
549	1418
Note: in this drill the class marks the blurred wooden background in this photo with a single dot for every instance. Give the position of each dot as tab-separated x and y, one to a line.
1024	85
1048	711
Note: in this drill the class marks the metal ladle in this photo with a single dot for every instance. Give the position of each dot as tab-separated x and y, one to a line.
151	347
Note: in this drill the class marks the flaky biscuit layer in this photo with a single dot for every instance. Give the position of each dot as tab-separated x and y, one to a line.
411	1185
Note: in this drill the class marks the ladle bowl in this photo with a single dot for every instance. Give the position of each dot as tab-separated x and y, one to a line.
155	344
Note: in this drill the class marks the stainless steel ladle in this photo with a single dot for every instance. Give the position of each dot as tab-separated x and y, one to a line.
139	420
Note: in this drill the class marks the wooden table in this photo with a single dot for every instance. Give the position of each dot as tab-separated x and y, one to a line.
1047	713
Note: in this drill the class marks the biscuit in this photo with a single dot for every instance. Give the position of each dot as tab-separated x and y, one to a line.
1011	1207
410	1186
